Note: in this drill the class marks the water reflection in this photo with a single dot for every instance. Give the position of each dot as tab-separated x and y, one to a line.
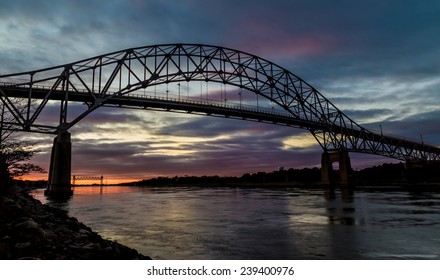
340	206
235	223
347	194
95	190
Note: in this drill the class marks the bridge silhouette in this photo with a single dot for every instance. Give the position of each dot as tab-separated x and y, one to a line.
165	77
76	178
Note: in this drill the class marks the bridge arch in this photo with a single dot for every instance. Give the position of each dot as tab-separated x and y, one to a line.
103	80
113	79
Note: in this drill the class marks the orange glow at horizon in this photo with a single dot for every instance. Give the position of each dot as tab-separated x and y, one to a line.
106	181
99	190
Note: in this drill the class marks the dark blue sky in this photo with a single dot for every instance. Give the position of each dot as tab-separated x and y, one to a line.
378	61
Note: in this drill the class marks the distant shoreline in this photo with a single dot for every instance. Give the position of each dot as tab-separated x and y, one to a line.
396	186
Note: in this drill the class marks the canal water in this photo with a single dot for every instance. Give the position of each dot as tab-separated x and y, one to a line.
255	223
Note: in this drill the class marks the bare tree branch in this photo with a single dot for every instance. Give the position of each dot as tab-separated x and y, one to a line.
14	153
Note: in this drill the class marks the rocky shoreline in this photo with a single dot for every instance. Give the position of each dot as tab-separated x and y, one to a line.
31	230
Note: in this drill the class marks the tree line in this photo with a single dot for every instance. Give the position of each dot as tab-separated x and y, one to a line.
384	174
282	176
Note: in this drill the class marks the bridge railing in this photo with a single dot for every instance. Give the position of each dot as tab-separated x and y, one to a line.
160	96
217	103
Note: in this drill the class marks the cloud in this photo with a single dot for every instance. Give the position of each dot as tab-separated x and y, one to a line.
180	156
378	61
417	126
198	145
302	141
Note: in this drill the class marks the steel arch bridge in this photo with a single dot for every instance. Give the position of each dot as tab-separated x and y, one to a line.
127	78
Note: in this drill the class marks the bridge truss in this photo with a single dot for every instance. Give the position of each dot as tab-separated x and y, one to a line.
76	178
129	78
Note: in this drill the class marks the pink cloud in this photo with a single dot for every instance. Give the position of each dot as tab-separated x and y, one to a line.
295	47
266	40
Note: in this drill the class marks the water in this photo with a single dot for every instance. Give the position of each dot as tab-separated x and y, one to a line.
236	223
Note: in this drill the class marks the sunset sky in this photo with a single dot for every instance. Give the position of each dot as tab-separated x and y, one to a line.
378	61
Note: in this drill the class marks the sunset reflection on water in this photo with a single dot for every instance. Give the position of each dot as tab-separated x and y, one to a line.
92	190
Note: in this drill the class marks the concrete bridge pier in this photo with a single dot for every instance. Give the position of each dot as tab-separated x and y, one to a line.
330	177
60	167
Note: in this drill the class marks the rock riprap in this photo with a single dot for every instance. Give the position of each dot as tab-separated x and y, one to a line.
31	230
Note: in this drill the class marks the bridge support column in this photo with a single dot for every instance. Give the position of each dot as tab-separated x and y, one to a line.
330	177
60	167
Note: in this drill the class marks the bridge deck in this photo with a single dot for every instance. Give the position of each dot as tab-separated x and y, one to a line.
363	140
185	105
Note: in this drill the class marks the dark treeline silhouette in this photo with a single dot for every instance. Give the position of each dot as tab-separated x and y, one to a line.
281	176
380	174
385	174
401	173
